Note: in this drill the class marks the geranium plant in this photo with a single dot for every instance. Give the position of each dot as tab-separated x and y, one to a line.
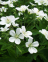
23	30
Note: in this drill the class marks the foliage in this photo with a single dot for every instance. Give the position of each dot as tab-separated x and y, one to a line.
12	52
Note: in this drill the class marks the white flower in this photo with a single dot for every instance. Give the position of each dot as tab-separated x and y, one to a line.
35	10
32	45
41	14
44	32
25	33
8	20
22	8
16	36
40	2
3	9
4	29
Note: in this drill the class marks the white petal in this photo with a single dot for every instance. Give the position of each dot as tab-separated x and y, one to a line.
12	32
17	18
15	24
32	50
30	37
18	8
46	36
11	5
7	25
23	28
29	32
12	18
0	38
17	41
21	36
3	18
27	44
30	40
35	44
2	22
11	39
18	31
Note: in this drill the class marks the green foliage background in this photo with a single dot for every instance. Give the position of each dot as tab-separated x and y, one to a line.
10	52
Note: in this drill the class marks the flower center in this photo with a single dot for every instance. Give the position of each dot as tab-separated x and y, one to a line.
45	33
41	2
22	9
25	33
30	45
8	21
16	36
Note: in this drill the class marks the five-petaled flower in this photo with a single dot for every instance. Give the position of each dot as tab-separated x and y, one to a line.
8	20
16	36
32	45
25	33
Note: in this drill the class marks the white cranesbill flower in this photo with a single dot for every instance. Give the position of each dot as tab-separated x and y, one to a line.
41	14
16	36
3	9
4	29
31	45
22	8
25	33
40	2
8	20
44	32
35	10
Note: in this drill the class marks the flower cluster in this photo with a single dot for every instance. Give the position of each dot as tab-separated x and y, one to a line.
39	13
17	29
9	2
